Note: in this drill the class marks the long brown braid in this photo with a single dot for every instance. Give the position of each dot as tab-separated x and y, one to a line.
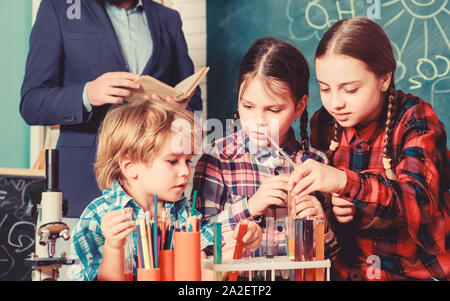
389	132
304	132
335	140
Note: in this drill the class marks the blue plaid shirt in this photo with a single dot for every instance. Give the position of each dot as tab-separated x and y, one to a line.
87	237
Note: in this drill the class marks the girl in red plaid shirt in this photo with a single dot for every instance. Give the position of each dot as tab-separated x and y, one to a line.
244	176
388	149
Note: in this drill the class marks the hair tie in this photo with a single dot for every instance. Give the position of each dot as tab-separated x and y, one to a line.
334	145
388	169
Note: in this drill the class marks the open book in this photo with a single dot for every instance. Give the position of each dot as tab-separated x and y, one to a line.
184	89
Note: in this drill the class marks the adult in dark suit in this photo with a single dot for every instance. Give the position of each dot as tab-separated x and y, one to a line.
78	67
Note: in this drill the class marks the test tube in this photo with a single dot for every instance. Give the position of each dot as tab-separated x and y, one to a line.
217	228
319	225
308	245
129	263
299	232
290	231
270	239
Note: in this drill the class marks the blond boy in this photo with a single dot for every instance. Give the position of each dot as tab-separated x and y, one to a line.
145	148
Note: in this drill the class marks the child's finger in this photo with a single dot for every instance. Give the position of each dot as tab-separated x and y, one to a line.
252	239
280	185
308	212
114	217
118	228
342	211
340	202
252	228
125	232
303	206
344	219
283	178
276	201
303	187
276	193
299	173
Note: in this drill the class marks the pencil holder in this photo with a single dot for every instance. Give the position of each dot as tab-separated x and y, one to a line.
148	274
187	262
166	260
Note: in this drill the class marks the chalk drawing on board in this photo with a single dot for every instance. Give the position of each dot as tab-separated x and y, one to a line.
310	19
20	241
6	261
427	67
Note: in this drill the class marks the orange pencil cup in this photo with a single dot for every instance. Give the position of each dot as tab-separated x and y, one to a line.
166	260
187	256
148	275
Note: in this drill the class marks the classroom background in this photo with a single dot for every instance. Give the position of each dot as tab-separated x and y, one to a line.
218	32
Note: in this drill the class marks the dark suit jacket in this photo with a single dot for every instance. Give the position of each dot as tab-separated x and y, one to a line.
64	55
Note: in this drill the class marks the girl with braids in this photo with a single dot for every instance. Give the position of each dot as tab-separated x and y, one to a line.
388	149
243	173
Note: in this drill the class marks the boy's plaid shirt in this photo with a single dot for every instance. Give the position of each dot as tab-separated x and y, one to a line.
414	240
231	171
87	237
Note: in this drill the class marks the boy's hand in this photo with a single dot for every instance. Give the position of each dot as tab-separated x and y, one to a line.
315	176
273	191
116	226
252	239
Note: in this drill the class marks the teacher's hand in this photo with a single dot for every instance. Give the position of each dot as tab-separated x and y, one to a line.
112	87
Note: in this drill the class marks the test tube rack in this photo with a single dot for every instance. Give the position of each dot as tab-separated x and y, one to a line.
265	264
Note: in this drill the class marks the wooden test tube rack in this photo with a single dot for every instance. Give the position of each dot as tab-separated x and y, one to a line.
265	264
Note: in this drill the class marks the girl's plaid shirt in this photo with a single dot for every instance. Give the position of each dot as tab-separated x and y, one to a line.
412	235
232	170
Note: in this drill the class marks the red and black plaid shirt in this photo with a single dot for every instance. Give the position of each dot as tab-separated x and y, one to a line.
412	237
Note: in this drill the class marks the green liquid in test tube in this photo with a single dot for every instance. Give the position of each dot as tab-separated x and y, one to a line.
217	228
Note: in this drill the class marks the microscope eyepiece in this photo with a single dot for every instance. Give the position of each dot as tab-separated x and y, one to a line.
52	170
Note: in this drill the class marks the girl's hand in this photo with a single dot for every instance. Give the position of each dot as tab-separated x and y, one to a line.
116	226
343	210
314	176
308	206
273	191
252	239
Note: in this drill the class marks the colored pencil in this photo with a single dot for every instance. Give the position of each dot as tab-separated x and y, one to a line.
149	237
139	248
145	249
193	202
155	232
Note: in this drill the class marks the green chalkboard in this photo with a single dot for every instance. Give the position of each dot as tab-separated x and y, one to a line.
418	29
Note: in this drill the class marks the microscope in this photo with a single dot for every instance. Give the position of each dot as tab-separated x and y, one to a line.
49	226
